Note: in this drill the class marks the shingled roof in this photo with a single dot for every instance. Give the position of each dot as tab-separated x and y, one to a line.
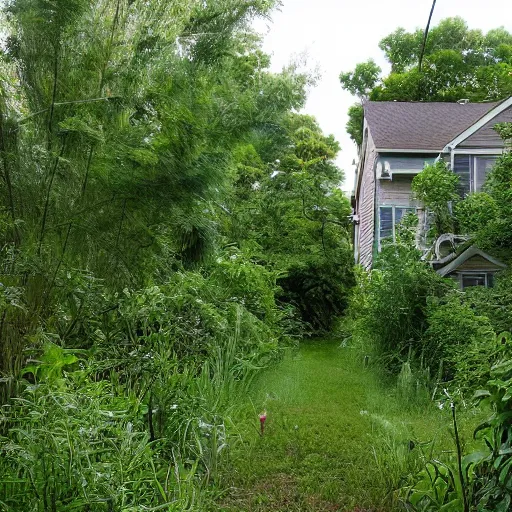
420	125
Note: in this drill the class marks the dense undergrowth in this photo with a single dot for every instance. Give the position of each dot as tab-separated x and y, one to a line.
447	343
144	146
168	226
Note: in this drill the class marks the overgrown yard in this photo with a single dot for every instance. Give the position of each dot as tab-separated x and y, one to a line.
336	438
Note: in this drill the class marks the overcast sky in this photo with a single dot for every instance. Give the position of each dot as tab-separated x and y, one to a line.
337	34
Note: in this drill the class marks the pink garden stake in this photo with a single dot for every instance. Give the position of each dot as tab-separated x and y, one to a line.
263	418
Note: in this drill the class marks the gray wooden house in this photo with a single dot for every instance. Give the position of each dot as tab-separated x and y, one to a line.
399	138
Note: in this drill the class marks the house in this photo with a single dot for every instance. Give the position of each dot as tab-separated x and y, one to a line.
456	257
399	138
470	267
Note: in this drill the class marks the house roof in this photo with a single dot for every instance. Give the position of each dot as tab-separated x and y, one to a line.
403	125
464	256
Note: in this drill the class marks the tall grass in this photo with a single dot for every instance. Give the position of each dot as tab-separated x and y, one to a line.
78	440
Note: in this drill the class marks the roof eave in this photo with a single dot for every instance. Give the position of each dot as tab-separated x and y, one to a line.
409	150
464	256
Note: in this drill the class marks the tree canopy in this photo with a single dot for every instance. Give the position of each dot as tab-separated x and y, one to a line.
458	62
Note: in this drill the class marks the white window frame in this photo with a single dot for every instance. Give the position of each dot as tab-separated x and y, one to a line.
393	219
473	161
473	154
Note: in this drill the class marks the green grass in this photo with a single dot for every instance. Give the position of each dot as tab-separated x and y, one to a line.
336	438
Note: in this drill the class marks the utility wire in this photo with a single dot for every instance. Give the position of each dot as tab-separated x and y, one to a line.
426	35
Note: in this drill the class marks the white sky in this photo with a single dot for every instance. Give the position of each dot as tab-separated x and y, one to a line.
337	34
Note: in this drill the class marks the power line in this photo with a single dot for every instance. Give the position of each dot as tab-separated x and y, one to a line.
426	35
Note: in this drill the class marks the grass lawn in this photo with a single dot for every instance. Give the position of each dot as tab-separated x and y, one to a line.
336	438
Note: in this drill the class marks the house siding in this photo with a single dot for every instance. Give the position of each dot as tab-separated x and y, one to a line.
478	263
487	137
395	192
374	189
366	206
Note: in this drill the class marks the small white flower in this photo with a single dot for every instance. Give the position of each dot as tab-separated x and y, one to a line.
203	425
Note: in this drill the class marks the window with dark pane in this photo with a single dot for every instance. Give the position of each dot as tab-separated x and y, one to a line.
482	166
386	222
462	168
473	280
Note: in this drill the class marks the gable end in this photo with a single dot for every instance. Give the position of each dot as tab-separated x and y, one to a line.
486	136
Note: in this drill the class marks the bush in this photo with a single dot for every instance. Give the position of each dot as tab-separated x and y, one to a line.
318	288
458	339
482	479
388	308
474	212
495	234
75	444
495	303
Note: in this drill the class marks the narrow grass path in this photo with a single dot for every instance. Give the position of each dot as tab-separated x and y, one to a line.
335	438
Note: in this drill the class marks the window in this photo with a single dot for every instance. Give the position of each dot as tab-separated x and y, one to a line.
481	166
389	218
476	279
472	171
386	222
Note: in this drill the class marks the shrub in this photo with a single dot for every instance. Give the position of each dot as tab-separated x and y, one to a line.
495	303
458	339
482	479
318	288
496	233
389	307
75	444
474	212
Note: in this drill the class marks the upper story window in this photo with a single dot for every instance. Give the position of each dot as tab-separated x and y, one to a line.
481	167
472	171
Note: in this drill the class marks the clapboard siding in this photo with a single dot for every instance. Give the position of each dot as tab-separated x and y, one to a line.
396	192
478	263
366	207
487	137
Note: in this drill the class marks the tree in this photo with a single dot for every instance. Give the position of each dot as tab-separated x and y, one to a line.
458	63
354	124
117	132
362	80
435	186
289	210
360	83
